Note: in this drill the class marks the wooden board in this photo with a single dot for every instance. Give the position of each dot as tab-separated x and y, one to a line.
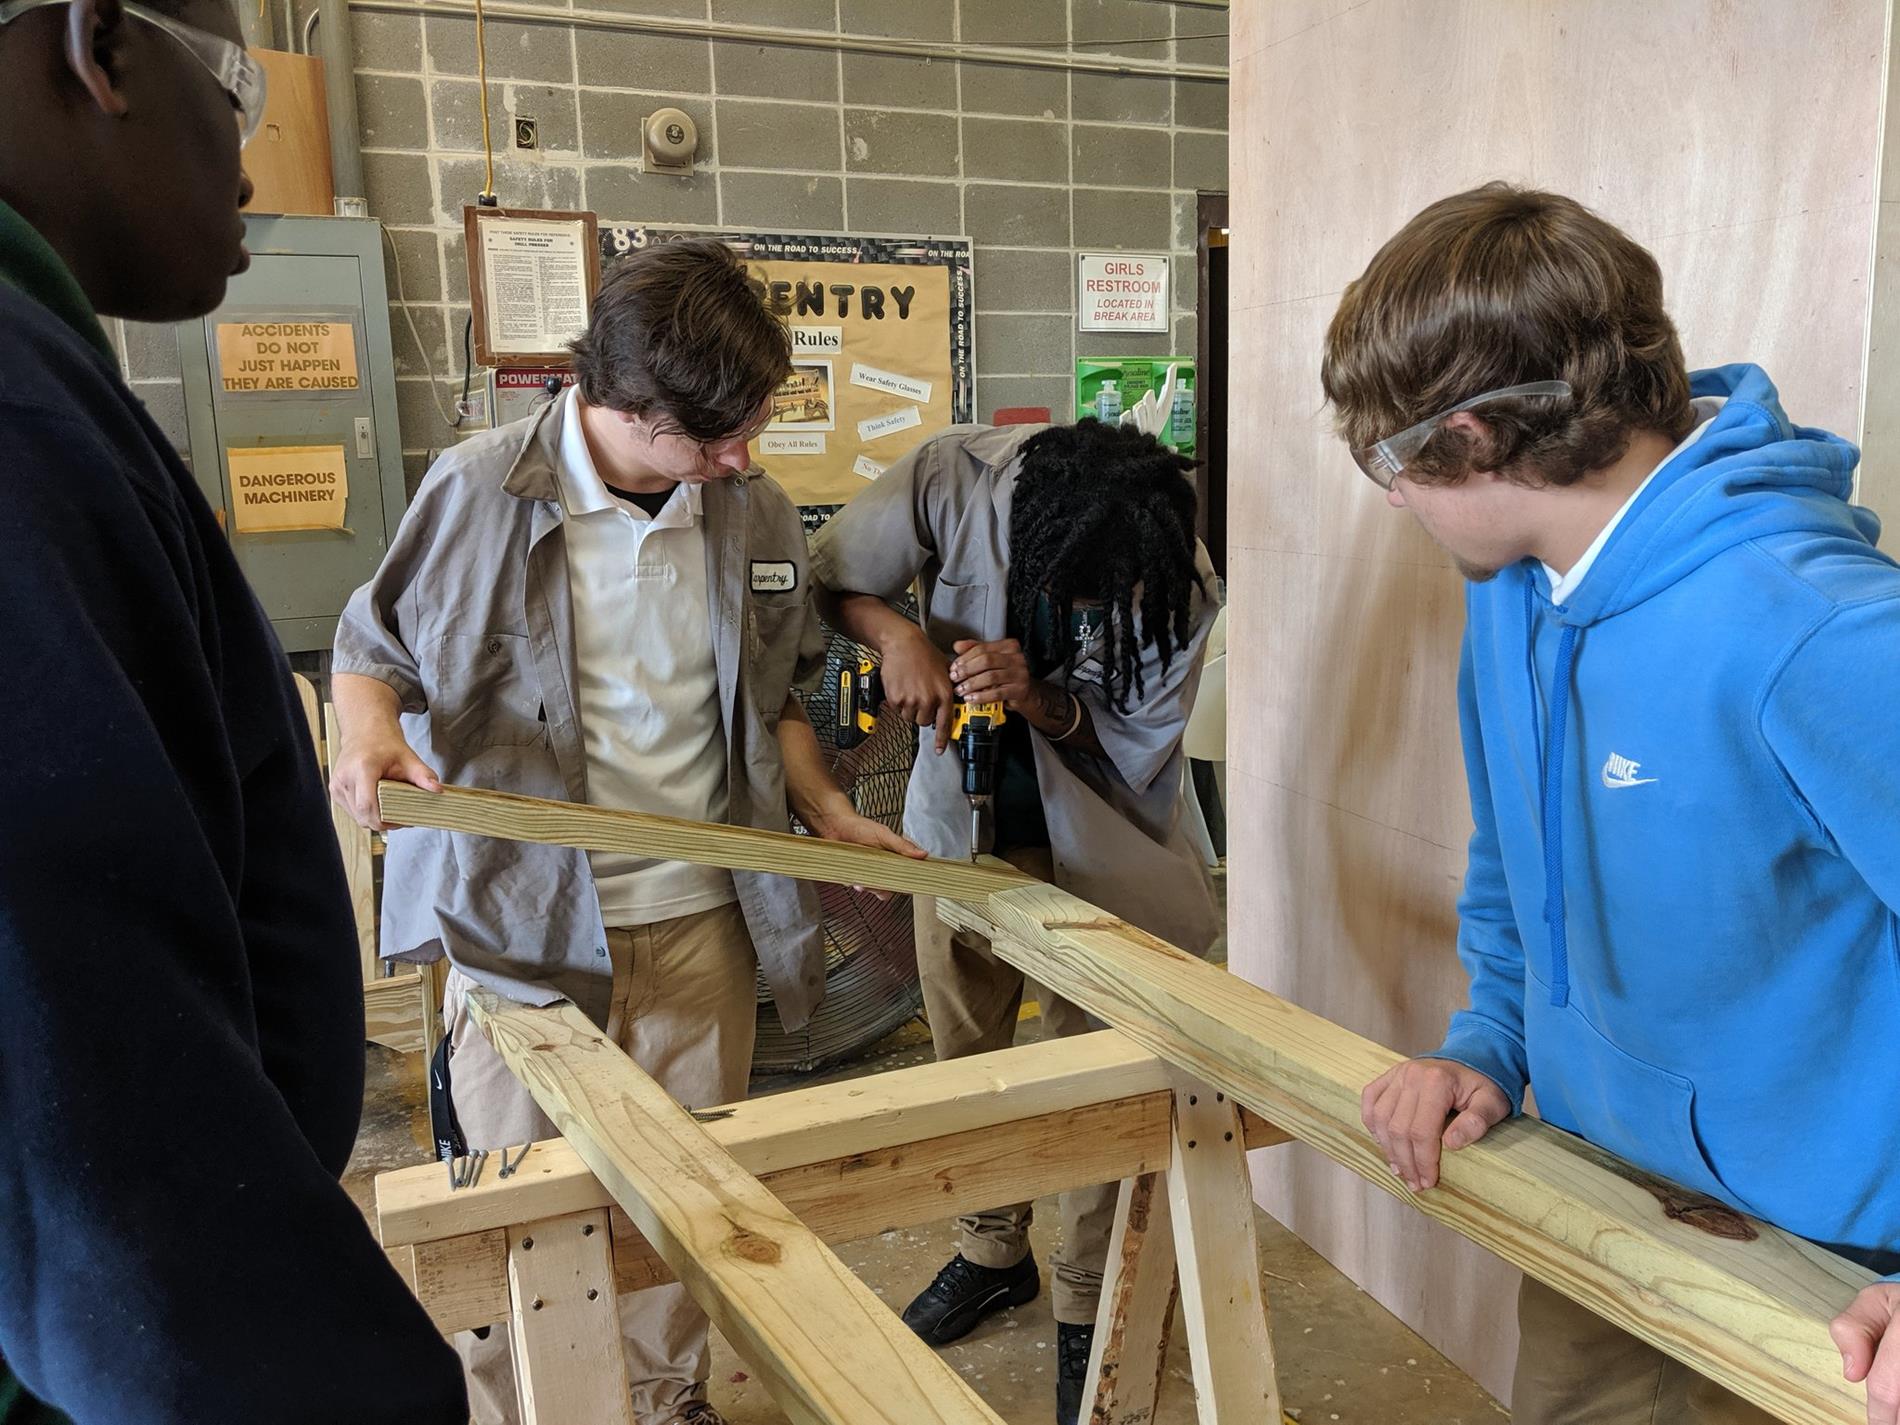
396	1011
564	1322
1139	1288
359	866
826	1348
1752	1315
289	160
799	1128
486	813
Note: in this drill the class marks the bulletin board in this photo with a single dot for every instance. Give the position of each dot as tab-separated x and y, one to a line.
882	348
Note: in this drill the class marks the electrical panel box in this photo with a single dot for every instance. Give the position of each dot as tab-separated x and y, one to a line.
290	402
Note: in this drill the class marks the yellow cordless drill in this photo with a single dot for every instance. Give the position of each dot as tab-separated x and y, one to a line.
976	728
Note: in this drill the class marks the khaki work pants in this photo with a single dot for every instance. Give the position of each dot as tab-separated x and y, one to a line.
685	1009
972	1000
1575	1368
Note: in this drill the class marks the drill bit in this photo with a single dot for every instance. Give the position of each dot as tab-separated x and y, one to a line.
976	828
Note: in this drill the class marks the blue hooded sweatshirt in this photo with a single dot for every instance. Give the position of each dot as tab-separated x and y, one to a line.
1679	917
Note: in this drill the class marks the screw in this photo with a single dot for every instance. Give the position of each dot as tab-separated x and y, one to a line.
537	1303
527	1244
1191	1143
587	1229
593	1294
1230	1138
675	134
1192	1099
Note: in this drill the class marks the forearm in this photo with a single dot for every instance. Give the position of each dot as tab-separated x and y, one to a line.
867	619
1053	711
367	709
812	792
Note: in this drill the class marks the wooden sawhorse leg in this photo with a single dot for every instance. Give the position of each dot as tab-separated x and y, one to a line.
1189	1232
564	1322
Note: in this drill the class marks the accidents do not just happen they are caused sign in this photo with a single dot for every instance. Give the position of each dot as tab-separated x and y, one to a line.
1121	292
286	357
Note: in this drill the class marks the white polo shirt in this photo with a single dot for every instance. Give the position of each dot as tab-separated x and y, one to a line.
649	693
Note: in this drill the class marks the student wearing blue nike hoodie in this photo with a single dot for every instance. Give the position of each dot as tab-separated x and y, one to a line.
1680	704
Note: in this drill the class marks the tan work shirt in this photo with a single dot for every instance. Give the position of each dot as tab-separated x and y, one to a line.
470	620
941	515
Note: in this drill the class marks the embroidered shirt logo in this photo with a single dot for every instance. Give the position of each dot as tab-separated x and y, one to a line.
1620	771
774	576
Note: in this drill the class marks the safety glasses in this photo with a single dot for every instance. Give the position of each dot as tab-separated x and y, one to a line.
240	76
1385	460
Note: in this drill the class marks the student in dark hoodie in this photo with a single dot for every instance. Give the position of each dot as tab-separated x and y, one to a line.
1677	695
180	1004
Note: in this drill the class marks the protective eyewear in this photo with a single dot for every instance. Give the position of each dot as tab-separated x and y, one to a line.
240	76
1384	461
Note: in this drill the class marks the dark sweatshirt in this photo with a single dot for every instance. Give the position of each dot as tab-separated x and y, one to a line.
181	1019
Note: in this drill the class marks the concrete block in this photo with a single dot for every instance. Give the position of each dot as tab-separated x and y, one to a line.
1016	345
1200	39
433	329
900	205
392	112
1110	218
420	256
556	116
782	202
774	72
1129	27
1183	281
1104	344
621	193
1008	281
1026	150
1114	154
1016	216
1186	332
1057	392
777	136
897	142
680	9
1014	22
455	267
1122	99
1200	161
398	188
792	14
521	183
899	81
418	420
150	351
908	19
611	122
517	49
387	42
1199	105
663	64
1005	89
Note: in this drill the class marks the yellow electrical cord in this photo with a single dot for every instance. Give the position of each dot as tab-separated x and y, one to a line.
481	70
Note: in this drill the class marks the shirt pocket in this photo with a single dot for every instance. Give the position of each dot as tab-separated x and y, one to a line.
777	629
484	692
958	611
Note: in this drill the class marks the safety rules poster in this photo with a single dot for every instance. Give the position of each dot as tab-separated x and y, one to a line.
882	348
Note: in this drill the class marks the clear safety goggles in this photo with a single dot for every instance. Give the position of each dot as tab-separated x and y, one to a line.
1385	460
240	76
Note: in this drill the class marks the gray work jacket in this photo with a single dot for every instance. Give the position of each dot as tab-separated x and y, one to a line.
469	619
942	515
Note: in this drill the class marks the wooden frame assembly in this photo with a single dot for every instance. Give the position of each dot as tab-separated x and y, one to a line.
1199	1066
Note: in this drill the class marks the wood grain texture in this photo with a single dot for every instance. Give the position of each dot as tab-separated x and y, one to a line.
1752	1315
359	866
1348	816
1139	1288
289	160
485	813
1217	1252
564	1323
396	1011
802	1127
826	1348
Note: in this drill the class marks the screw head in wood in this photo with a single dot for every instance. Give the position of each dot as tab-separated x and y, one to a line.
527	1244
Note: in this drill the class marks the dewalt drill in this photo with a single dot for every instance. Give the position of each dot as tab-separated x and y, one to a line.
976	728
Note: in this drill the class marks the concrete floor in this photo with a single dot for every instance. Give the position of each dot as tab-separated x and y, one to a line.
1341	1356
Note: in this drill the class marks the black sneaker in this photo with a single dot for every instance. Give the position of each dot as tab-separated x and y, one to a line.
963	1294
1073	1344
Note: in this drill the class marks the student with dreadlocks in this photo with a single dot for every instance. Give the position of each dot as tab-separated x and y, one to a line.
1060	574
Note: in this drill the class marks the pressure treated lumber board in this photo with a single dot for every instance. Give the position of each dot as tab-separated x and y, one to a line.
564	1324
1748	1310
485	813
826	1348
1139	1288
802	1127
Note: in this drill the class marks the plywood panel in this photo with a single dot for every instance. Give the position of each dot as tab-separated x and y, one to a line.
1699	129
289	159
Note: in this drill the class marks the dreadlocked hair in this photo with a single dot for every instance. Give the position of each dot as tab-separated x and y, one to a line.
1103	513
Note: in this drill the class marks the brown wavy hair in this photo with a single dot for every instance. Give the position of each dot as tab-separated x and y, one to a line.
679	334
1495	287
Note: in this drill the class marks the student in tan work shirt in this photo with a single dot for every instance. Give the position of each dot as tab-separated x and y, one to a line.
605	603
1060	574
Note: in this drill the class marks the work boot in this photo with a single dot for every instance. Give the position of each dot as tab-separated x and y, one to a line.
1073	1344
700	1412
963	1294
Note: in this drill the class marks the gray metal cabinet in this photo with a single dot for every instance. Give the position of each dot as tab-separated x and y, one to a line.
304	270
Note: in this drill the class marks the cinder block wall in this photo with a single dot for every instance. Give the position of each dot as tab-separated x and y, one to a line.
1033	164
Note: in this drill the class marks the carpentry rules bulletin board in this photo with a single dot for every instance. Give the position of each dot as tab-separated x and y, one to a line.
882	348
